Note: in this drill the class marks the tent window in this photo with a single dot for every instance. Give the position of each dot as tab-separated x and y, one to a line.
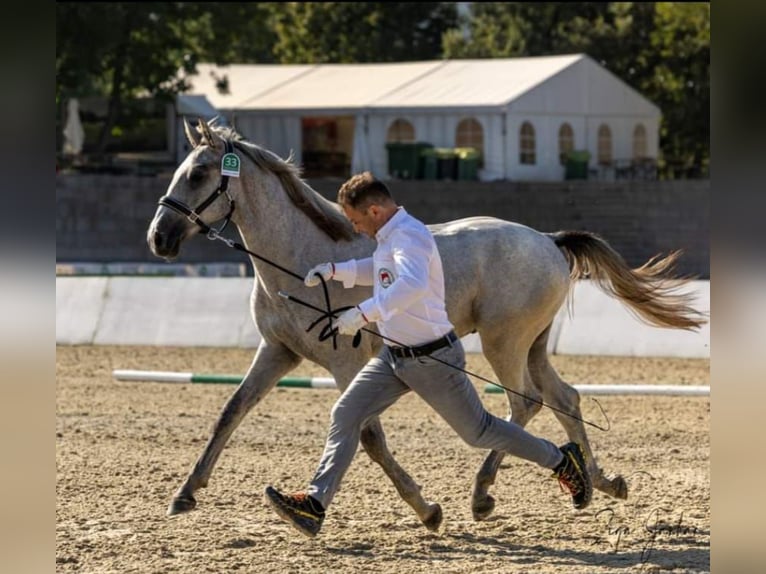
566	142
604	145
469	133
400	131
527	144
639	142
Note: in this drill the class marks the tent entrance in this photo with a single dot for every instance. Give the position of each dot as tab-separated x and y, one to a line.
327	146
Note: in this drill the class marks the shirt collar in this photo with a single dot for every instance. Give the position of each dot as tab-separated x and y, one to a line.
391	224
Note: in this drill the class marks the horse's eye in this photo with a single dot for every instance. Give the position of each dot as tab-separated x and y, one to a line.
196	176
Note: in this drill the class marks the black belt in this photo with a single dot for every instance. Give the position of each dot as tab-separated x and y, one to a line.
422	350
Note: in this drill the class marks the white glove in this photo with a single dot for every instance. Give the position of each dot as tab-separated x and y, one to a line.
326	270
351	321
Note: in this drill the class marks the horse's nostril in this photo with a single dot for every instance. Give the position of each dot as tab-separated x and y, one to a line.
158	240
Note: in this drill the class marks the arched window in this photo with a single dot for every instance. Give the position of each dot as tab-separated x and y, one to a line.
639	142
400	131
527	144
469	133
604	145
566	142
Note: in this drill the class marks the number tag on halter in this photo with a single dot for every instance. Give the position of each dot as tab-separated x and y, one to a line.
230	165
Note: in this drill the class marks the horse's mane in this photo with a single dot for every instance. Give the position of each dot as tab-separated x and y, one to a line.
320	211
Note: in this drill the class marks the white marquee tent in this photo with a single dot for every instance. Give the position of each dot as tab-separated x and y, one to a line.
522	113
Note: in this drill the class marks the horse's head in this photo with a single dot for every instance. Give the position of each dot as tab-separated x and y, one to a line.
199	194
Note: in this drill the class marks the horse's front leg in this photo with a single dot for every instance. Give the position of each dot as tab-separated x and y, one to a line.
374	443
271	362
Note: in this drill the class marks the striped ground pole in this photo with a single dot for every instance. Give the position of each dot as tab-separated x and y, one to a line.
667	390
329	383
212	378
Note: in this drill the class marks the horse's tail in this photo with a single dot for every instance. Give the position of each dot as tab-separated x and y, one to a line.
650	291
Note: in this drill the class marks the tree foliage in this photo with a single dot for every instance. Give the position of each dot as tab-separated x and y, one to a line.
508	29
680	85
319	32
123	50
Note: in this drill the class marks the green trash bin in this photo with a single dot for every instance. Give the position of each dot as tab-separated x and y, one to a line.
577	165
447	162
467	163
430	163
404	161
416	159
439	163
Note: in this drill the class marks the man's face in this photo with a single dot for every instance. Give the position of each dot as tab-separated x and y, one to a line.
364	221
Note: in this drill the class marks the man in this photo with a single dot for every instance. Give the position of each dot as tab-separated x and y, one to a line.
408	306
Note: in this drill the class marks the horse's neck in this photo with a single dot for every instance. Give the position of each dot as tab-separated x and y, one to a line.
284	235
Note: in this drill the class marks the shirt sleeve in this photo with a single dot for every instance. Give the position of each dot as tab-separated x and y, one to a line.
354	272
412	254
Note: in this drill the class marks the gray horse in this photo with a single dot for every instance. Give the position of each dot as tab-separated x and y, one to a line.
503	280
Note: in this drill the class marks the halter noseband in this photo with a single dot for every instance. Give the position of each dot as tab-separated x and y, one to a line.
193	215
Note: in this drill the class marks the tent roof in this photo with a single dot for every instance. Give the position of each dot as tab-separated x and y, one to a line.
245	81
349	87
472	83
188	105
332	86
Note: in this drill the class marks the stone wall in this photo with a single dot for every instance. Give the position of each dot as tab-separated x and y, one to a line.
103	218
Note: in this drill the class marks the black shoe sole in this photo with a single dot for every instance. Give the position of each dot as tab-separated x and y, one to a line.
271	497
580	457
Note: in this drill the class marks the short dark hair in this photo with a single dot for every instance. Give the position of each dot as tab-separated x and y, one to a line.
362	190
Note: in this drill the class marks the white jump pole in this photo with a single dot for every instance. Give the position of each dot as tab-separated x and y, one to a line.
617	390
202	378
329	383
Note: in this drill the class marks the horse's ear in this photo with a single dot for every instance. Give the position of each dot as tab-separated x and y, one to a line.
191	135
208	135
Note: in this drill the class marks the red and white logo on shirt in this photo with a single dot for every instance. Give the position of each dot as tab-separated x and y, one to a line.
385	277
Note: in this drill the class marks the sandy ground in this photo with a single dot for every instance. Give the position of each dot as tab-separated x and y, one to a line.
123	448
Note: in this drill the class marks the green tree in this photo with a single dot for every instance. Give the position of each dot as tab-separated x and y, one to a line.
240	32
123	50
342	32
511	29
680	85
491	31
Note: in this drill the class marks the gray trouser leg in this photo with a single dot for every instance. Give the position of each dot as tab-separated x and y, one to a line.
371	392
450	393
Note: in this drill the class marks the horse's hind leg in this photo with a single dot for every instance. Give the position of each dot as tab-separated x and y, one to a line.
374	442
270	363
562	396
508	362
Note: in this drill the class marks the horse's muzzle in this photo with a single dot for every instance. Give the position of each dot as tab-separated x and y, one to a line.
165	235
163	245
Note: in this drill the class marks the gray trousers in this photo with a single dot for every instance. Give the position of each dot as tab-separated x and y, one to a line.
448	391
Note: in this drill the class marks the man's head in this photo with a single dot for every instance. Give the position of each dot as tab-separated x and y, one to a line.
367	203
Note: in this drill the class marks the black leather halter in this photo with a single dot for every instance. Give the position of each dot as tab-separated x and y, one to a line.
193	215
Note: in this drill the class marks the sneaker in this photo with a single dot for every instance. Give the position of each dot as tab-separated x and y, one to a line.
573	474
299	509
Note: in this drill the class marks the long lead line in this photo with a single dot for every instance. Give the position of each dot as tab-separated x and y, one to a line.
486	380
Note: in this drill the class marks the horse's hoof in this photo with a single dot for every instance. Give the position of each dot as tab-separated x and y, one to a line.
483	507
181	504
619	487
434	518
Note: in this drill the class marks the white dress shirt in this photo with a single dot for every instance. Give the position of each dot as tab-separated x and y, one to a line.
408	282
